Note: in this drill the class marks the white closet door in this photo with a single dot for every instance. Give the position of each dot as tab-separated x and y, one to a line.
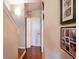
36	32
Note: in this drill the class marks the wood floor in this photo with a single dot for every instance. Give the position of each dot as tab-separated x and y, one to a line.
20	52
33	53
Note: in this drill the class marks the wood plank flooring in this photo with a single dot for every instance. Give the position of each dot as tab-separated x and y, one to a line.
33	53
20	52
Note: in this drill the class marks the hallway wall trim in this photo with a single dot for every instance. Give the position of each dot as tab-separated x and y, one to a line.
23	54
5	9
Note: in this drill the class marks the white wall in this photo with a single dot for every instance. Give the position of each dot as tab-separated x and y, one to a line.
21	39
51	31
10	36
20	21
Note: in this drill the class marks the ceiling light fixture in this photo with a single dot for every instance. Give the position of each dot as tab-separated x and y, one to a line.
17	11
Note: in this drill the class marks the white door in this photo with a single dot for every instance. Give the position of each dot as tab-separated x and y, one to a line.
36	31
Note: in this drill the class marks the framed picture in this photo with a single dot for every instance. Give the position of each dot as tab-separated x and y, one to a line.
68	40
67	11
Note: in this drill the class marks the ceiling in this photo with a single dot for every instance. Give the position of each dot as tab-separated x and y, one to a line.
30	5
21	1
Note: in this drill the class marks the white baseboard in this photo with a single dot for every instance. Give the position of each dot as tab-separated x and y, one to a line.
23	54
22	47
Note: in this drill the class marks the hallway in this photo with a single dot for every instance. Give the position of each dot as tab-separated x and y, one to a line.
33	29
27	21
